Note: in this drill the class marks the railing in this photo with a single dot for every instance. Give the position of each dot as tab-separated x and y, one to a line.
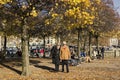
113	53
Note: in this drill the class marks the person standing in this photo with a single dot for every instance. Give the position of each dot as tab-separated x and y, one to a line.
56	56
95	53
102	52
65	56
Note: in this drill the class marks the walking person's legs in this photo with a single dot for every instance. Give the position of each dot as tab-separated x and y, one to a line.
102	55
57	62
67	67
57	67
62	65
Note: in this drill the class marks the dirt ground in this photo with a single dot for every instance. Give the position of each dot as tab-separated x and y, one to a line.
42	69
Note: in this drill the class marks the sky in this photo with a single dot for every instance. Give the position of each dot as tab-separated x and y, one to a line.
117	5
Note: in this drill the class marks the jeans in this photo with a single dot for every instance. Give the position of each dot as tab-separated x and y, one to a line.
102	55
65	62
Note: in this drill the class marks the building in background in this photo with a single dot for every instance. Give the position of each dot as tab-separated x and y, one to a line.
37	41
113	42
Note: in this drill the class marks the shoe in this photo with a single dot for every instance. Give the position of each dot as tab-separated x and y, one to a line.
56	70
67	71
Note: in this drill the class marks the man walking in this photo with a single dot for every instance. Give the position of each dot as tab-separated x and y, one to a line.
65	56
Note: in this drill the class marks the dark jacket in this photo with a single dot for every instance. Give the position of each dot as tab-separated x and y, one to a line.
55	54
102	50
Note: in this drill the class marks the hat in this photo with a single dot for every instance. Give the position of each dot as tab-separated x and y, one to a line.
64	42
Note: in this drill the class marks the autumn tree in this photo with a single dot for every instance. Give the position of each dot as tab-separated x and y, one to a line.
21	11
74	14
5	22
26	15
105	19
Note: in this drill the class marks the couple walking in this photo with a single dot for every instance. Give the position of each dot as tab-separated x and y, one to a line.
61	53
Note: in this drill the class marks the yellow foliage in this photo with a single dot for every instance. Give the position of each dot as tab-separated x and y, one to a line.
4	1
91	22
4	21
93	9
17	22
56	4
76	2
47	22
78	13
98	1
33	12
54	15
92	31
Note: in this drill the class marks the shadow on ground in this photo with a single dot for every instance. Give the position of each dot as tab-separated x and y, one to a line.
11	68
19	60
45	67
10	63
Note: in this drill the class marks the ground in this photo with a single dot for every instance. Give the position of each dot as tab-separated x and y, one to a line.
42	69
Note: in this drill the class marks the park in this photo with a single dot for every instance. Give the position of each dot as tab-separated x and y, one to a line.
29	29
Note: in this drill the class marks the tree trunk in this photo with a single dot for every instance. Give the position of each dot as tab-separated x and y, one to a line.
4	47
97	44
58	38
78	43
61	38
29	43
85	41
89	52
25	55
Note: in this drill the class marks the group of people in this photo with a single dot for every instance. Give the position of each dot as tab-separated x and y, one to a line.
99	53
61	53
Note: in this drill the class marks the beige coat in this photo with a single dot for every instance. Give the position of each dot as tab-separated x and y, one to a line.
65	53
